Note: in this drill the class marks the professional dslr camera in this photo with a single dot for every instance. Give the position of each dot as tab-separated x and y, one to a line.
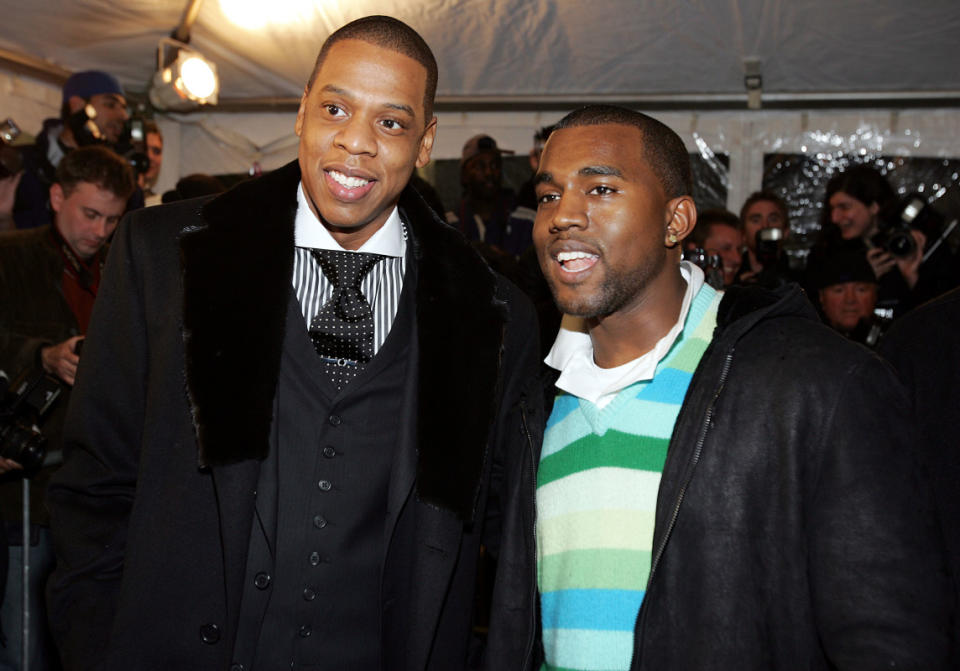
895	223
133	145
710	264
11	162
23	403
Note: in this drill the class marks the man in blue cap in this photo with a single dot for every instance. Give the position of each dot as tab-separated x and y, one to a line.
93	111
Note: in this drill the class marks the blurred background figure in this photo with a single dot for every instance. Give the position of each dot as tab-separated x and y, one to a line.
847	291
485	205
718	233
899	238
766	225
154	146
49	279
526	197
194	186
93	111
924	347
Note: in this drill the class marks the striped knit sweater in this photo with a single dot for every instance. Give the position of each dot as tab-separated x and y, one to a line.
596	497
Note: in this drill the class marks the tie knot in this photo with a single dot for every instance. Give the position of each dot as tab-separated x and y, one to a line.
345	269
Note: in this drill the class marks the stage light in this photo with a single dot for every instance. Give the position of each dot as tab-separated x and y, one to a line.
184	79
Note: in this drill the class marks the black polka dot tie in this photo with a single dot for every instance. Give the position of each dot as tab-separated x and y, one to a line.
342	332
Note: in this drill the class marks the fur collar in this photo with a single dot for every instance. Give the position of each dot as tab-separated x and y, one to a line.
236	275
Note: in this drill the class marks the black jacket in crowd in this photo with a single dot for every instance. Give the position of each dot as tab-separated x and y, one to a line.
793	529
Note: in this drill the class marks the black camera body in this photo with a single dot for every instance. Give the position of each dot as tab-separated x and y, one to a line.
769	242
132	145
895	223
710	264
23	404
11	161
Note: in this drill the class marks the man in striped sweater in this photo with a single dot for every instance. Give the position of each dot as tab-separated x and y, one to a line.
723	482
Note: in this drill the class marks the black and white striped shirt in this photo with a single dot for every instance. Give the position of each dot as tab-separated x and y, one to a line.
382	285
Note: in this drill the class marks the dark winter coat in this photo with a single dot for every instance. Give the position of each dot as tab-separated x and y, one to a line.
169	423
793	529
33	314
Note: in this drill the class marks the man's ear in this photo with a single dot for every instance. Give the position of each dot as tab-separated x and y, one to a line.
298	125
426	143
76	103
681	218
56	197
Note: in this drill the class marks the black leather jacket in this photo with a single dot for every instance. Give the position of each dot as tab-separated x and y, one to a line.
793	529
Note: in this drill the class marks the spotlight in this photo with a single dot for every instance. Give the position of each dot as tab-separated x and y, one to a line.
184	79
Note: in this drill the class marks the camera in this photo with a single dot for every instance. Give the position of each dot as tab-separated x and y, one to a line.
11	162
710	264
769	241
132	145
23	404
895	223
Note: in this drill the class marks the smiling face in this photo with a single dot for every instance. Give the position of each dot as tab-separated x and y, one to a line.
362	130
846	303
601	230
725	241
112	113
852	216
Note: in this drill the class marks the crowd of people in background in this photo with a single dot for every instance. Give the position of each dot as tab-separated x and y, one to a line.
873	262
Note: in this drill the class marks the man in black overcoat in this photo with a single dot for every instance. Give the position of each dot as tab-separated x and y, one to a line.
234	496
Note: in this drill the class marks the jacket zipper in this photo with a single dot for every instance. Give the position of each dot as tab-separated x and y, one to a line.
696	458
532	507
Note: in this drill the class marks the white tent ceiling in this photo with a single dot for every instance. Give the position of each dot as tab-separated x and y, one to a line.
503	53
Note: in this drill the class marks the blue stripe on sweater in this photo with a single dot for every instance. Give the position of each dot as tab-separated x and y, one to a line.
603	609
670	386
563	406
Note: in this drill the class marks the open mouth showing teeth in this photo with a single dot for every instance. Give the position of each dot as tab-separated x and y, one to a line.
349	182
576	261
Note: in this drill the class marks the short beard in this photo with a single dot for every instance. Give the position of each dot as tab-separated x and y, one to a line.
616	291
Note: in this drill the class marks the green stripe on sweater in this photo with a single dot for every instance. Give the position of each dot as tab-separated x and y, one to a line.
614	448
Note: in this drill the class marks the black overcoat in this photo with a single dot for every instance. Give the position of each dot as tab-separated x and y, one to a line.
169	424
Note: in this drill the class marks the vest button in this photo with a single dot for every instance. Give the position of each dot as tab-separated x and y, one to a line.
262	580
324	485
329	452
304	631
314	558
236	667
209	633
309	594
335	420
319	522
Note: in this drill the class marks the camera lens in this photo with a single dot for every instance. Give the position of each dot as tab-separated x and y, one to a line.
24	445
901	243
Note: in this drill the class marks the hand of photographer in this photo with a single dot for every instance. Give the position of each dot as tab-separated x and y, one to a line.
910	265
881	261
7	465
61	360
8	195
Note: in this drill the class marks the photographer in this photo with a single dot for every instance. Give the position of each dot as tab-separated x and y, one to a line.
49	278
94	111
765	225
863	214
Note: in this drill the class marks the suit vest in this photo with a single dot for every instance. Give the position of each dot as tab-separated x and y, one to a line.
312	590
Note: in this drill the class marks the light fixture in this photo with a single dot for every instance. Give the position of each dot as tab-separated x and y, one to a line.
184	79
